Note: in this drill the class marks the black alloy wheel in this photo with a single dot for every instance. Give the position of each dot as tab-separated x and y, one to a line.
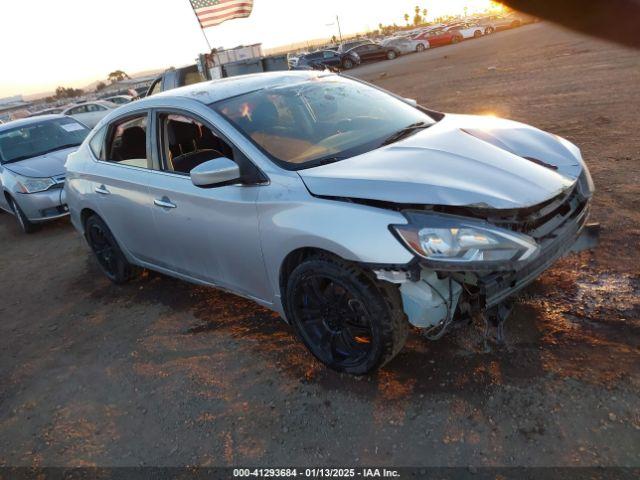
347	64
104	246
343	318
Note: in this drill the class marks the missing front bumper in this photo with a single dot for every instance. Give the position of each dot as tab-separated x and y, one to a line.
497	287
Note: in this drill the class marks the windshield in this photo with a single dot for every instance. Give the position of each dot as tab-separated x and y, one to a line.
38	138
325	119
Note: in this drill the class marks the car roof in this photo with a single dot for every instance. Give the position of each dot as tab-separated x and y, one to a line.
216	90
24	122
91	102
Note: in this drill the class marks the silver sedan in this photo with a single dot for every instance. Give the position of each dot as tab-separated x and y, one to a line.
406	44
90	113
32	156
350	211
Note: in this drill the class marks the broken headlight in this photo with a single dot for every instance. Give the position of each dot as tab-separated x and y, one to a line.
450	242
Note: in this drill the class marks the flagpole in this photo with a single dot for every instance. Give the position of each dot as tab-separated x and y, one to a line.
200	25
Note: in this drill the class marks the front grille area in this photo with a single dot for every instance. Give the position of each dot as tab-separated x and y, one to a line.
544	221
54	211
60	179
555	226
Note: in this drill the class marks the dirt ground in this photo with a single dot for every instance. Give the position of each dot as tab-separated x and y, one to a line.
163	373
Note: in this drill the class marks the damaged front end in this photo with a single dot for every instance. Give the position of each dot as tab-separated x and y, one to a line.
469	260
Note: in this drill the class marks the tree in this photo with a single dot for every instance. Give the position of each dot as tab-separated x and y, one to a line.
63	93
406	18
417	19
100	86
117	76
424	14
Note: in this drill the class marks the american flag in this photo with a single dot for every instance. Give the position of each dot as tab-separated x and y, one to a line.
214	12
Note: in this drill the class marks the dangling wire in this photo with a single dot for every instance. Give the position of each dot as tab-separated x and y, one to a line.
444	325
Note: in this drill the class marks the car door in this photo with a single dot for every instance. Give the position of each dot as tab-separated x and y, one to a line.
314	59
379	52
4	203
330	59
95	113
438	38
207	234
364	52
404	45
120	183
80	113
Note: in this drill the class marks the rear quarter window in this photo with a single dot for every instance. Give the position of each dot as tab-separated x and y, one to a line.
96	144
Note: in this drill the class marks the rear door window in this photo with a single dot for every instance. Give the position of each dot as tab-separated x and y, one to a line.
127	143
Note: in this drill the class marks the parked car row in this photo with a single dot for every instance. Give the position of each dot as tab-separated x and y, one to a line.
349	56
354	52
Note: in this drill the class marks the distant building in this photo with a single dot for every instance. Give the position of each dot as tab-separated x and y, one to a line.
127	84
16	99
12	108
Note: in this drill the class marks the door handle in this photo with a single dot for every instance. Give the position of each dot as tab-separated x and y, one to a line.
164	202
102	190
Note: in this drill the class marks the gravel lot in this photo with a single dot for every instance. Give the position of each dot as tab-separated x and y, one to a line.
163	373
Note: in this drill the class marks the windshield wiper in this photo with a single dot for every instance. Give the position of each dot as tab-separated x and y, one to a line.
39	154
325	161
60	147
405	132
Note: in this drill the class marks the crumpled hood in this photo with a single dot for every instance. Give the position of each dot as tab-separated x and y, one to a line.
463	160
48	165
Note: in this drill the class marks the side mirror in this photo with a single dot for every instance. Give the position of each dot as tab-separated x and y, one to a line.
215	173
411	101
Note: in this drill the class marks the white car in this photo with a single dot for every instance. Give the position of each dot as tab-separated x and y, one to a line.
90	113
406	44
119	99
469	30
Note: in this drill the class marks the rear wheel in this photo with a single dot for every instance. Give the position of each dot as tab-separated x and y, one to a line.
489	30
420	48
455	39
25	225
348	320
477	34
110	258
391	54
347	64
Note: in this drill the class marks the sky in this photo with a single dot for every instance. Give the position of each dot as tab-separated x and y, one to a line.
48	43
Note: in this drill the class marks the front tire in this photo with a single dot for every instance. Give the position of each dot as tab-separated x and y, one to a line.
477	34
112	261
391	55
420	48
489	31
455	39
346	318
347	64
25	225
